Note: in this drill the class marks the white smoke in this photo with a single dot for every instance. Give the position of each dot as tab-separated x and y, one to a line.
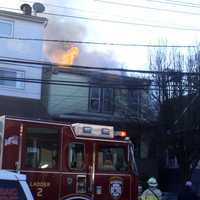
76	30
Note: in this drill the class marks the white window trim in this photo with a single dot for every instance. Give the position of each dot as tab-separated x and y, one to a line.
12	27
19	74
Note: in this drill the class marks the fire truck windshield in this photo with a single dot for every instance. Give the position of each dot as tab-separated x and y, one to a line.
41	148
112	159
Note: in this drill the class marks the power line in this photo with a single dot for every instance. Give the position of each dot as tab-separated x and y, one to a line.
49	64
77	84
89	83
97	43
144	87
121	22
182	2
147	7
178	3
103	13
22	65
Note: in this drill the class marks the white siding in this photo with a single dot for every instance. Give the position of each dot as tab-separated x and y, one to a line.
19	49
30	90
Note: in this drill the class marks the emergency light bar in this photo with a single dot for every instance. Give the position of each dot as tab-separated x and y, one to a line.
93	130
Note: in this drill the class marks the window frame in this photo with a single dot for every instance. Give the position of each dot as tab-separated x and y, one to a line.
24	154
101	101
111	100
14	184
69	166
5	21
112	171
91	98
19	85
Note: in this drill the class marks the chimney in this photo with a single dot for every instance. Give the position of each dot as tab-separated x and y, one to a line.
26	8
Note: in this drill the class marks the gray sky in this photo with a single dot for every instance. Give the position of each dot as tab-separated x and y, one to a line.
132	12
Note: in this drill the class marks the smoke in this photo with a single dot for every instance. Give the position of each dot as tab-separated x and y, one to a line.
97	59
71	31
62	30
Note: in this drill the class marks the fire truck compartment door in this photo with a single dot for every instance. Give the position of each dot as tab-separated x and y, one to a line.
77	168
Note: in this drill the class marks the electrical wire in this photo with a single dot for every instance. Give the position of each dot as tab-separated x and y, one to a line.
98	43
102	13
144	87
147	7
74	83
49	64
182	2
122	22
178	3
121	85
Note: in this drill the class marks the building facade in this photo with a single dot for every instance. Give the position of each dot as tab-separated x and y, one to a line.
14	27
15	89
94	96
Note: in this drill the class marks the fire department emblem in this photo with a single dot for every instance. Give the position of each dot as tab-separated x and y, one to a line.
116	187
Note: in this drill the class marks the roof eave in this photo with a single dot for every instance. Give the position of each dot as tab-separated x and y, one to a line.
24	17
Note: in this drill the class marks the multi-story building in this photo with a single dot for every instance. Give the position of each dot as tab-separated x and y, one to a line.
87	95
15	92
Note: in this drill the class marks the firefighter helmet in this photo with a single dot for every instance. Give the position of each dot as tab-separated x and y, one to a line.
152	182
188	183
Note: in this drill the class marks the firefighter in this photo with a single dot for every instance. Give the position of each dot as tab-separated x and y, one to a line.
152	193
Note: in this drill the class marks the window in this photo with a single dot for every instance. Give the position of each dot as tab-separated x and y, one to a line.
11	190
135	101
101	100
76	156
41	148
12	75
112	159
6	28
107	105
95	94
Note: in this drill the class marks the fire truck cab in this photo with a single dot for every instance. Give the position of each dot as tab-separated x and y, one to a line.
69	161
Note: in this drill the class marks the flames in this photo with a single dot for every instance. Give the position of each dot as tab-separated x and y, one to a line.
65	57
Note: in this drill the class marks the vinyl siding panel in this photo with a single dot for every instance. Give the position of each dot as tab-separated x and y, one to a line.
67	99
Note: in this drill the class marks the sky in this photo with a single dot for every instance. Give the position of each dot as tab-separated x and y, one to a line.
129	17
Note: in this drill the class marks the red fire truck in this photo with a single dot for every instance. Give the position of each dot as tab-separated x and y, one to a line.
69	161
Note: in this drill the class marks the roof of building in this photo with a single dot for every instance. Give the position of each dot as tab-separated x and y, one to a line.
22	107
99	76
21	16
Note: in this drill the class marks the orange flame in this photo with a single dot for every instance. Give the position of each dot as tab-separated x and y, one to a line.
65	57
